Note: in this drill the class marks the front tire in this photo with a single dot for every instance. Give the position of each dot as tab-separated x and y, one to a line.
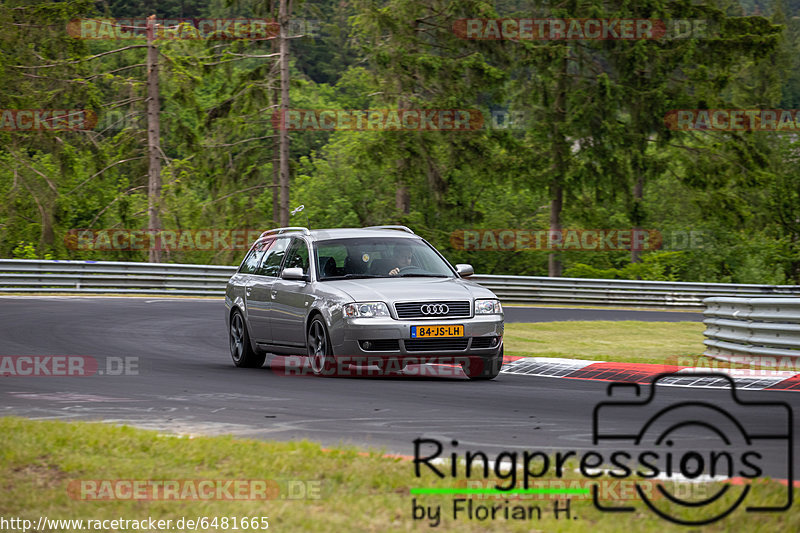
320	354
483	369
242	352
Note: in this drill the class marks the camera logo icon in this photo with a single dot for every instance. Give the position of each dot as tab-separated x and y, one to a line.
718	438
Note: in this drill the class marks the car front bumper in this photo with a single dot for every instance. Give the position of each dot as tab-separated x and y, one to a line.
483	337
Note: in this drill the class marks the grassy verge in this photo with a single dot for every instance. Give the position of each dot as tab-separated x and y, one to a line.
352	490
674	343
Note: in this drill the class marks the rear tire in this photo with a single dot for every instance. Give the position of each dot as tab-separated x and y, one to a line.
242	352
483	369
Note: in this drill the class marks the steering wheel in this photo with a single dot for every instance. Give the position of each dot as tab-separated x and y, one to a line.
407	268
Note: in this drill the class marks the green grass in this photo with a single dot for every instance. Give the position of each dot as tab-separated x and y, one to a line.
620	341
358	491
662	343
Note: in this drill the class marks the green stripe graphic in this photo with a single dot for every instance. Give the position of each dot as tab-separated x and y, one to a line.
424	490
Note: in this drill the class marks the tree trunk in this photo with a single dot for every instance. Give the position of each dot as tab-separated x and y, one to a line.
638	196
560	166
276	181
794	264
47	236
153	144
402	200
283	16
276	151
554	266
275	100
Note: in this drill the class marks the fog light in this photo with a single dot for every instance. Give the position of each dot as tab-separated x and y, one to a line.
495	341
366	345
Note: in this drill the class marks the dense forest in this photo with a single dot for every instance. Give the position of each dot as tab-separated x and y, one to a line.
574	133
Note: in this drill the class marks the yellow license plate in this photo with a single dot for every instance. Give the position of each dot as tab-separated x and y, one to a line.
421	332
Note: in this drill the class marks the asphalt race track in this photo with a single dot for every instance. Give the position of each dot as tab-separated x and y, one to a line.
184	381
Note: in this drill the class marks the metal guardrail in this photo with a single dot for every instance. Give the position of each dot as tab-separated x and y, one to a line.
117	277
752	327
529	289
98	277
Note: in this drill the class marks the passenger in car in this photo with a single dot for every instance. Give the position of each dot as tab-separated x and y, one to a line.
355	264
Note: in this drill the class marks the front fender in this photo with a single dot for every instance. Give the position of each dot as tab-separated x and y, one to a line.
332	314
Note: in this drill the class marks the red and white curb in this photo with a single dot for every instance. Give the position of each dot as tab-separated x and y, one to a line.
745	379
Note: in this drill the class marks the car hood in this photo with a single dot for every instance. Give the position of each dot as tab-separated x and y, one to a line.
398	289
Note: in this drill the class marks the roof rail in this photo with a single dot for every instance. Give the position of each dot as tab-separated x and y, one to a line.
285	230
402	228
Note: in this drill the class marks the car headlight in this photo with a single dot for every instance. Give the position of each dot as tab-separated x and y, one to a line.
366	310
488	307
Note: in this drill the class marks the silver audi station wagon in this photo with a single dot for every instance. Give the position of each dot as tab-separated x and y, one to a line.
378	296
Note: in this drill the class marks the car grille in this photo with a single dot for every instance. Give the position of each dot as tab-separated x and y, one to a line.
483	342
406	310
381	345
427	345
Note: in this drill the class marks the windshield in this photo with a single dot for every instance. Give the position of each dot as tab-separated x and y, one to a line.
370	257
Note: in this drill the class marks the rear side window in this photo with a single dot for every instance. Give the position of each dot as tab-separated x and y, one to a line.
253	258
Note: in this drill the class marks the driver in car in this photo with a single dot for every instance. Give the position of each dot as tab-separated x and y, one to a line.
402	257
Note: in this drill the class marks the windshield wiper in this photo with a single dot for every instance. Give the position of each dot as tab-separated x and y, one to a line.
415	275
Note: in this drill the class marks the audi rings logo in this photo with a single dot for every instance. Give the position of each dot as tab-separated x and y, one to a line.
434	309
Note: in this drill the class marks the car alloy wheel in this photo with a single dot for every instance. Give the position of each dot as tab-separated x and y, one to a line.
319	349
241	351
237	338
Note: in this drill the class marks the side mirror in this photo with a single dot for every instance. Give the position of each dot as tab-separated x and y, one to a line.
293	274
465	270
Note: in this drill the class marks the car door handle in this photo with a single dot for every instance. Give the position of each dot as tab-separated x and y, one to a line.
248	290
274	294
